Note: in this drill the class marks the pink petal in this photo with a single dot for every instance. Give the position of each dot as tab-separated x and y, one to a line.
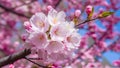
54	46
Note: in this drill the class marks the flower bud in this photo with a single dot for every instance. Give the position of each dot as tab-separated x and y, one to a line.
49	8
11	66
27	26
89	9
77	13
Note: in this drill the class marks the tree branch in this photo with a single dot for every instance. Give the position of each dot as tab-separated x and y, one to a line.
12	58
32	1
57	3
12	11
36	63
86	21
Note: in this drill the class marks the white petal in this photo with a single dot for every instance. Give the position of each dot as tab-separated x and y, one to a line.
61	31
38	39
52	13
57	56
58	33
74	39
54	46
61	16
55	18
42	54
39	20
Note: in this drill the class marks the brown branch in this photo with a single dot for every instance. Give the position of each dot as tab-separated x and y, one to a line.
36	63
86	21
12	58
17	56
57	3
25	4
12	11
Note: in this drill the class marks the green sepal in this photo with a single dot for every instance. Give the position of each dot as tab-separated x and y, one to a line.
105	14
91	14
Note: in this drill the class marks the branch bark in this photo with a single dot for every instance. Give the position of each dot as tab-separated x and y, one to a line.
86	21
12	58
12	11
57	3
36	63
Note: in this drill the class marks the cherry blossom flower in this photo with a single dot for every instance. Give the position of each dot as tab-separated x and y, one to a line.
55	17
54	46
42	54
53	57
38	39
73	40
61	31
39	20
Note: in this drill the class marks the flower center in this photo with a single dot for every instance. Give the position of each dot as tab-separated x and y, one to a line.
55	20
41	24
41	37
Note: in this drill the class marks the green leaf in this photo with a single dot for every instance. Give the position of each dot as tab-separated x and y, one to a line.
105	14
75	20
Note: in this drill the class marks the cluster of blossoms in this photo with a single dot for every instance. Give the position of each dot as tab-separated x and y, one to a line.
52	37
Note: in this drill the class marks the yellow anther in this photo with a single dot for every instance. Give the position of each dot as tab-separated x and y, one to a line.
41	24
55	20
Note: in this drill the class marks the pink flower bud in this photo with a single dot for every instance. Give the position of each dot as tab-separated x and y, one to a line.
11	66
49	8
77	13
116	63
27	25
24	37
89	9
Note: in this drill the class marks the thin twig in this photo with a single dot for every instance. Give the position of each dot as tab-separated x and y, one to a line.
34	58
86	21
35	63
57	3
12	58
12	11
25	4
